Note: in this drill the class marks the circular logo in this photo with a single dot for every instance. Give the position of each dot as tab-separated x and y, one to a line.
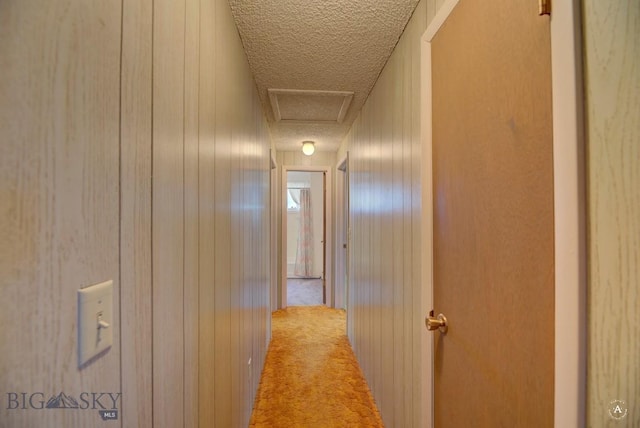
617	409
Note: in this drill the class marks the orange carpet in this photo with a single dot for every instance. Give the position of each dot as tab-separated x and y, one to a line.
311	377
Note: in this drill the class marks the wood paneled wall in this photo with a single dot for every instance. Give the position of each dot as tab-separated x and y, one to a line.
59	200
135	214
234	225
134	148
211	197
168	219
612	65
385	317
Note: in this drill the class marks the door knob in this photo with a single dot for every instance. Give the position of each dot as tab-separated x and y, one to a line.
436	323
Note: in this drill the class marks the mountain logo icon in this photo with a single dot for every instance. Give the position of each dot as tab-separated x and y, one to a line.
62	401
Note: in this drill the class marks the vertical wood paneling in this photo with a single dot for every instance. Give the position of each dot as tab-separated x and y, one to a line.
191	211
222	253
236	219
164	124
234	282
168	212
135	215
216	186
385	188
385	256
376	168
612	65
397	166
59	203
207	212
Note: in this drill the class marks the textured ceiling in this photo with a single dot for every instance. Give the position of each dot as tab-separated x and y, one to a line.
327	45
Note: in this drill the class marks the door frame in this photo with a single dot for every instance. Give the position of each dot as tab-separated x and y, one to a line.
569	214
342	233
328	277
273	238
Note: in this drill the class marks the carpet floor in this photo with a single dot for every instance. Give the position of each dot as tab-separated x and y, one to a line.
311	377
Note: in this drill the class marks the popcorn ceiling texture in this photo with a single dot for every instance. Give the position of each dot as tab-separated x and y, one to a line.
335	45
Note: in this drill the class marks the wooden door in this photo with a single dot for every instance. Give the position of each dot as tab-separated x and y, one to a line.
493	216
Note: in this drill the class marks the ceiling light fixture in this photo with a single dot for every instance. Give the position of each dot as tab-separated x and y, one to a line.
308	147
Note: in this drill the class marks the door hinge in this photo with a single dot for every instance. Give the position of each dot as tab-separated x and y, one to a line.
544	7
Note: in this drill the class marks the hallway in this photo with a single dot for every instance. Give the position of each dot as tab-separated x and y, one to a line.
311	377
143	144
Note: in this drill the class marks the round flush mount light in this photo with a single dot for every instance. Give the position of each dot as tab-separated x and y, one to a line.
308	147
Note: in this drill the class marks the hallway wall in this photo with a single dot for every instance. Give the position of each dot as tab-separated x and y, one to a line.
612	66
134	149
59	200
384	147
210	194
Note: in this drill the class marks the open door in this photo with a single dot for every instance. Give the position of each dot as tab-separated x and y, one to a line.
493	226
317	261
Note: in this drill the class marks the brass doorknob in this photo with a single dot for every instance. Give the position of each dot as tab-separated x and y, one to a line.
436	323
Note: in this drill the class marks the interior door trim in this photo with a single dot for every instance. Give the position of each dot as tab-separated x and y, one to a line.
328	245
569	214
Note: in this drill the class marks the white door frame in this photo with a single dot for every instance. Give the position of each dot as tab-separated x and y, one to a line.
569	214
273	239
340	298
328	277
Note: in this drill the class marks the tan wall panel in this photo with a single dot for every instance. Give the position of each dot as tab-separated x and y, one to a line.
191	211
59	198
135	220
400	413
240	280
234	104
612	61
222	255
206	218
64	213
168	213
222	156
385	185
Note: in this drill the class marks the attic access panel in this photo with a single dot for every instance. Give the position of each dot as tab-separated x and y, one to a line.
307	106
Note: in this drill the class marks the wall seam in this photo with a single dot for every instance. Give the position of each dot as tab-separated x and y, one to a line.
198	216
184	202
151	199
120	195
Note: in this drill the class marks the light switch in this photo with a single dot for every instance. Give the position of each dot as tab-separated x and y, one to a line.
95	323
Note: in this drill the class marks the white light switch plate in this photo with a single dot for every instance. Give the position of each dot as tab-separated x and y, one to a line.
95	320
